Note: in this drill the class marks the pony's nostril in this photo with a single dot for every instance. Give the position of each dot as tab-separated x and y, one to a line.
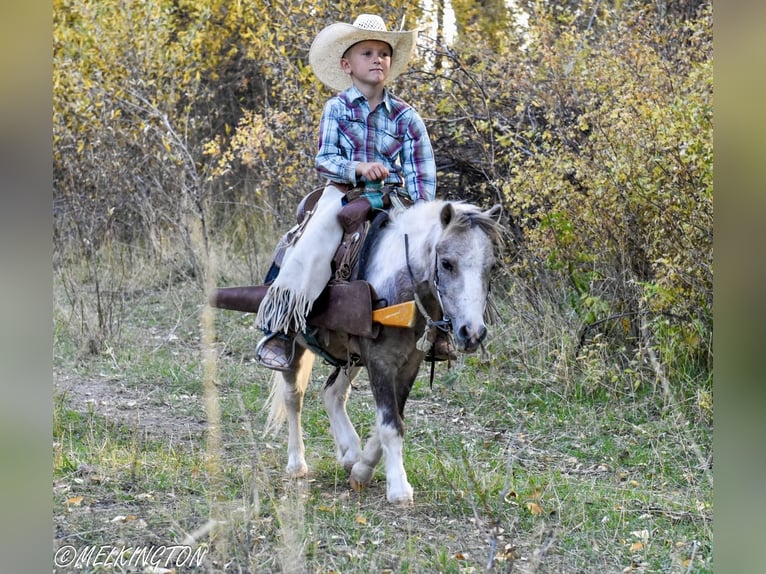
468	334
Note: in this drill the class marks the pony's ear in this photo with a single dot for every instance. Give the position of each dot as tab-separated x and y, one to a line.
448	212
494	212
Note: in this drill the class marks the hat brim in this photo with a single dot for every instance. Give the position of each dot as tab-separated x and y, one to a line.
332	42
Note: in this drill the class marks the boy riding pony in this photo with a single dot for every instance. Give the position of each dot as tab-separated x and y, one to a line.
366	135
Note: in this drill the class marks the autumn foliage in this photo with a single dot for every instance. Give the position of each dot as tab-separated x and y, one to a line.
590	122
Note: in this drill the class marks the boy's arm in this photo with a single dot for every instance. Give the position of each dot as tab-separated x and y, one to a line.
418	164
329	160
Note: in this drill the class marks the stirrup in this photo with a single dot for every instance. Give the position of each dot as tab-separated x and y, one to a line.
276	351
441	350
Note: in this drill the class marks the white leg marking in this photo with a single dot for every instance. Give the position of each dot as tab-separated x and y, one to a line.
293	398
398	489
347	443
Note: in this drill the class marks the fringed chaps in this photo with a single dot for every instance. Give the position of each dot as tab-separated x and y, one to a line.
306	269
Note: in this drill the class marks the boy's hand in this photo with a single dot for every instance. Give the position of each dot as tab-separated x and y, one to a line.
372	171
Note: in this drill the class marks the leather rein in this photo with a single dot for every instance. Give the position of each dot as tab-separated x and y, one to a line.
444	324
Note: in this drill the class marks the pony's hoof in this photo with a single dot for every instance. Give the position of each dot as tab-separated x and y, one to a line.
400	494
349	459
356	485
361	473
401	500
297	470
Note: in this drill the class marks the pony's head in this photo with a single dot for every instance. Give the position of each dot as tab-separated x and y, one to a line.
463	262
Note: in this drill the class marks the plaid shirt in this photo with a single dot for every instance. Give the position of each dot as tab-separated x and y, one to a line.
393	134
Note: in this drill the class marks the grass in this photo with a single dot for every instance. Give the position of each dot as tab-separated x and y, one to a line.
527	463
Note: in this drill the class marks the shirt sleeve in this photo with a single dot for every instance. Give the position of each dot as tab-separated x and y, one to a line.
418	164
330	161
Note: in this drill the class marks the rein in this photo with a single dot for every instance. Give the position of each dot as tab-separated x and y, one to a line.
444	324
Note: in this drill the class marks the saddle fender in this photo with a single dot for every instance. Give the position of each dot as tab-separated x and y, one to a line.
342	306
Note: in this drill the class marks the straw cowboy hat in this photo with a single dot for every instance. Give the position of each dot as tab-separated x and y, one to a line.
332	42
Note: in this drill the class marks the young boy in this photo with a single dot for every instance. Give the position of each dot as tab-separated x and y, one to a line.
366	134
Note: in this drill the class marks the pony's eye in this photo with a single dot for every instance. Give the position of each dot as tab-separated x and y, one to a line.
446	265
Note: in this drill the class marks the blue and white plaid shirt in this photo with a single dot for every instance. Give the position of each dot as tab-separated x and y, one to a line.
393	134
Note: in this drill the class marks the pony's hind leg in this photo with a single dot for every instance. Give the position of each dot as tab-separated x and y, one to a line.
335	396
295	383
361	472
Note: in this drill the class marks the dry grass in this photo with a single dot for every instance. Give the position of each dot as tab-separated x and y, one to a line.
528	463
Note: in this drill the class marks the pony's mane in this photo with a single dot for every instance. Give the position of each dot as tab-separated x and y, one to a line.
468	216
420	214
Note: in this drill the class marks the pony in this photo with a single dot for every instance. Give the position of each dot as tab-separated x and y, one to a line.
439	253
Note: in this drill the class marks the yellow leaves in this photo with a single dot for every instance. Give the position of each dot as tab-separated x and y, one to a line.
359	519
641	143
705	401
131	519
533	504
212	148
74	500
641	542
256	138
532	500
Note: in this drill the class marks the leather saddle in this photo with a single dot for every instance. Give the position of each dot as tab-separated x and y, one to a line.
360	208
347	302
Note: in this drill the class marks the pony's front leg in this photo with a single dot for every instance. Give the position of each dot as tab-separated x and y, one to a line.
391	391
294	389
335	396
391	435
391	384
386	439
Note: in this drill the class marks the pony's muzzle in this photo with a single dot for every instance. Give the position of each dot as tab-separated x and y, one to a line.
470	337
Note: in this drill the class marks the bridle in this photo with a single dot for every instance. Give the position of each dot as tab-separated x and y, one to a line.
445	323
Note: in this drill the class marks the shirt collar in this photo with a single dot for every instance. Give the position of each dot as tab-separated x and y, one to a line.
353	94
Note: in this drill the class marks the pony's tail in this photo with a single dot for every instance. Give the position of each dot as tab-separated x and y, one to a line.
275	405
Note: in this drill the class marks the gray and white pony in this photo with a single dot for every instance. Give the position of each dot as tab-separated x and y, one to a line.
439	252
